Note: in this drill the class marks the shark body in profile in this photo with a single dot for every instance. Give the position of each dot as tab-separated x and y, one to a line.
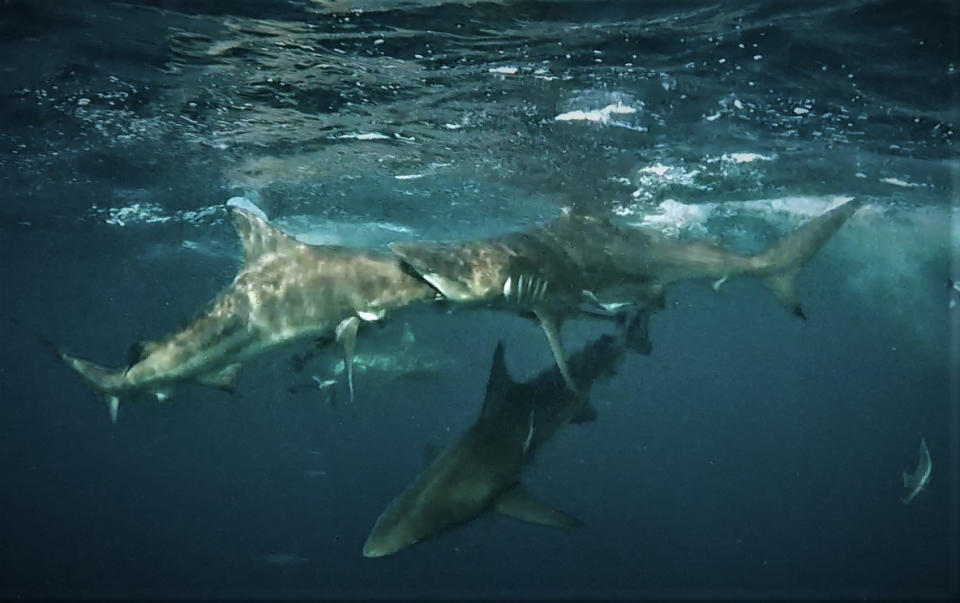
589	264
481	470
917	481
286	292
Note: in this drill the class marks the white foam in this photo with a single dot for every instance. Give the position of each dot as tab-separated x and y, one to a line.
899	182
365	136
503	70
745	157
599	115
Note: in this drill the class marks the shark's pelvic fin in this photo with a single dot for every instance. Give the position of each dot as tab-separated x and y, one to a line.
587	414
225	378
347	336
113	404
551	323
520	504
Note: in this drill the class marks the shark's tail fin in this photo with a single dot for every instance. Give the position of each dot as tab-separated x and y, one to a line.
104	380
781	262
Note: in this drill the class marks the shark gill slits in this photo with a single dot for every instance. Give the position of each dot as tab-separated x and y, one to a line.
525	289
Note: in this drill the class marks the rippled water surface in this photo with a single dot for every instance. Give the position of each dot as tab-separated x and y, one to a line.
751	454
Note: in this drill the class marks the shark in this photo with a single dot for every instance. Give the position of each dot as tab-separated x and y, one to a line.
285	292
482	469
589	264
380	361
917	481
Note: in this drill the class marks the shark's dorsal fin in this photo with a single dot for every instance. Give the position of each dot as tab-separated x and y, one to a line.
520	504
225	378
498	384
259	237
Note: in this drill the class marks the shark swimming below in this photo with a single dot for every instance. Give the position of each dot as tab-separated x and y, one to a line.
481	470
917	481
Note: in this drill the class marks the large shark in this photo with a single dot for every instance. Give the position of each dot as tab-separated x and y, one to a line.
480	471
286	291
586	263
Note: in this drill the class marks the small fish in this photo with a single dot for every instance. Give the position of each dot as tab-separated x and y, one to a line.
918	480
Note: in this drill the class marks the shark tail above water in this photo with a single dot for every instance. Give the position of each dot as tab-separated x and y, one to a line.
781	263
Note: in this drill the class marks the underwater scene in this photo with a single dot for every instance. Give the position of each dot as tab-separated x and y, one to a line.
449	300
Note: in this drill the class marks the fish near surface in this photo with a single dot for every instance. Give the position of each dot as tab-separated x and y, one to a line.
286	291
481	470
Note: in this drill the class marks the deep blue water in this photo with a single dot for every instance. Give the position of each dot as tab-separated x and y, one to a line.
752	455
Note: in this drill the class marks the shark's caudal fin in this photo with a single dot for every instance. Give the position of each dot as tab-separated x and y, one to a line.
783	261
104	380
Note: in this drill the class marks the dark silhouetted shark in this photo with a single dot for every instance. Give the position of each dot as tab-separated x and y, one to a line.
481	470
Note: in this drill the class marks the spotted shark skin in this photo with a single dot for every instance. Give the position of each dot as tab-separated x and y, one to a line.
286	292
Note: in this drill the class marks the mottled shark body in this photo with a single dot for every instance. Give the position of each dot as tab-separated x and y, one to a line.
481	470
583	263
286	291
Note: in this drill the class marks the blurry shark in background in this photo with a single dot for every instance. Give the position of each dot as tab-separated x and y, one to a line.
917	481
286	291
589	264
380	361
481	470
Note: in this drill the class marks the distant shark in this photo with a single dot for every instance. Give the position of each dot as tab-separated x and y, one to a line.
581	263
481	470
287	291
917	481
385	362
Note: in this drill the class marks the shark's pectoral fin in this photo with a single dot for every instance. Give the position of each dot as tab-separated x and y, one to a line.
347	336
907	480
551	322
520	504
225	378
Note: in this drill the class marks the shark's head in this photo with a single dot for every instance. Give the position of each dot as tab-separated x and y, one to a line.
387	540
461	272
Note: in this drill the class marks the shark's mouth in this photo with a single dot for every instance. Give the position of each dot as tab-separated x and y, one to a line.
409	270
